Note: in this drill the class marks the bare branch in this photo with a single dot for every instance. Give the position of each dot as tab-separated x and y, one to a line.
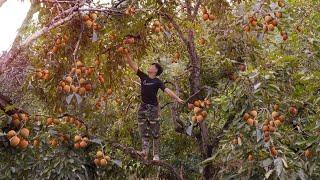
45	30
13	53
59	1
196	8
207	88
188	4
78	43
118	3
62	18
134	154
176	27
2	2
103	10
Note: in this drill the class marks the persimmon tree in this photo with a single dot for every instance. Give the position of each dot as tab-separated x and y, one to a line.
247	70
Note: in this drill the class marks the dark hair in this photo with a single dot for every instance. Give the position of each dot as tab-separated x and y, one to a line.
159	68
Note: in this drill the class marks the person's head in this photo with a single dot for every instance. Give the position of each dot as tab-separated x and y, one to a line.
155	69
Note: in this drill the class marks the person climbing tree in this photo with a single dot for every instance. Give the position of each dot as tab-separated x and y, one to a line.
148	113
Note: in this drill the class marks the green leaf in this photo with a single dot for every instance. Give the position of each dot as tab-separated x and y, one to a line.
274	87
9	108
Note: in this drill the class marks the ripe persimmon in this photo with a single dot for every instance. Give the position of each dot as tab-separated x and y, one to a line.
205	17
77	138
11	133
23	144
14	141
24	132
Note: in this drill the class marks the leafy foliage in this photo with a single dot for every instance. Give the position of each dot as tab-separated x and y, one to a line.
246	67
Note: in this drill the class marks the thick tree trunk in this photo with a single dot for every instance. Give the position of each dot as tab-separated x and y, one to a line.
194	80
207	147
206	150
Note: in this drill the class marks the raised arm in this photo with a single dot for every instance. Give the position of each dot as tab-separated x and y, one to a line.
173	95
131	63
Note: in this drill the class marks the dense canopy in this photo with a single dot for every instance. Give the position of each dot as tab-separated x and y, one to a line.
248	71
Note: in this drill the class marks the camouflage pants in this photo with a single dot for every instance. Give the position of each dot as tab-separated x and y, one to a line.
149	126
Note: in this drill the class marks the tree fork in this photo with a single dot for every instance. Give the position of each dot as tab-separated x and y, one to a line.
194	81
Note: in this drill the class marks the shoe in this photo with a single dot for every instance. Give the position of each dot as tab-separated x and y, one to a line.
156	158
143	154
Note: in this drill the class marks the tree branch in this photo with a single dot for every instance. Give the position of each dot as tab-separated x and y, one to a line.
74	54
134	154
58	1
209	91
176	27
25	23
14	52
103	10
2	2
188	4
196	9
118	3
62	18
